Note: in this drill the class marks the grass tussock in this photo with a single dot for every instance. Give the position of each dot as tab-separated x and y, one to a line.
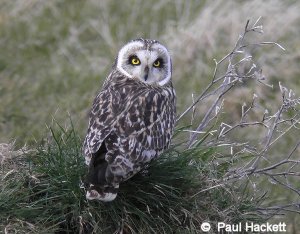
53	55
44	193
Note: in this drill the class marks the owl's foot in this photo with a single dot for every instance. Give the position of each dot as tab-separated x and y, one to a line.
105	194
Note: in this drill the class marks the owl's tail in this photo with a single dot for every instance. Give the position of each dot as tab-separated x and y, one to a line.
104	193
98	186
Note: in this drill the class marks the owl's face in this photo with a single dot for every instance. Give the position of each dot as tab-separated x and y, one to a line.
146	60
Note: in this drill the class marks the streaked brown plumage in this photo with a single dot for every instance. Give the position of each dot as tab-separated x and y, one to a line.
131	121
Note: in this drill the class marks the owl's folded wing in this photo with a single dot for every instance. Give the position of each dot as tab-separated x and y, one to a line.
132	111
102	119
147	125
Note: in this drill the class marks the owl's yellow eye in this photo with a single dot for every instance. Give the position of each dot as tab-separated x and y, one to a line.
157	63
134	60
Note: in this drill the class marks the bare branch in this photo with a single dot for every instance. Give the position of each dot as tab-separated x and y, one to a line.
274	125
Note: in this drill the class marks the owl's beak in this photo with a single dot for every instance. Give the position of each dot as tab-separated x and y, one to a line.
146	72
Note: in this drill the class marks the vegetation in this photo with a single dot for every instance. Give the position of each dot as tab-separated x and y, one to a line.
42	191
235	155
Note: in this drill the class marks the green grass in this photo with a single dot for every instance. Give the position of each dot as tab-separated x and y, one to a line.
44	193
56	54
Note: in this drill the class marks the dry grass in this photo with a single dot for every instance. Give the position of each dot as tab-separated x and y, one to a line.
215	29
55	55
45	193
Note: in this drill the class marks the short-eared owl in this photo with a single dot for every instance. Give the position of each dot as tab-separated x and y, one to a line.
132	118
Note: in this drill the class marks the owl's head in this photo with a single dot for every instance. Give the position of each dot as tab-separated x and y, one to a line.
146	60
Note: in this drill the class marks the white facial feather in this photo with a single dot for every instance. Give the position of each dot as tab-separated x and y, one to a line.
121	55
147	57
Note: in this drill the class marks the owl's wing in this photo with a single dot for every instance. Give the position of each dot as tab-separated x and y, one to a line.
101	120
148	124
131	111
159	120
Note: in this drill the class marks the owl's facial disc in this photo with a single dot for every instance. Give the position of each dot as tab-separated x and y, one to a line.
150	64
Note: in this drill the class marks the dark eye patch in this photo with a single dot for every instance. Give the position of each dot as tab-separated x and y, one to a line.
158	63
134	60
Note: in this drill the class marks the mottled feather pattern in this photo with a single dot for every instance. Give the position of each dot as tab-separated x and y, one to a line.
132	118
136	120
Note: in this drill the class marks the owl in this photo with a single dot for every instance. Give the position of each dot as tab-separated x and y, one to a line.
132	118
